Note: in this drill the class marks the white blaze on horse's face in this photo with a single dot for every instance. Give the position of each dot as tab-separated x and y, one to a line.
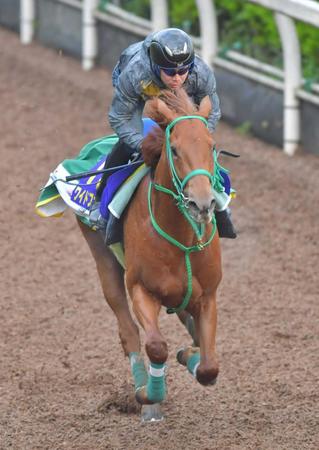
192	145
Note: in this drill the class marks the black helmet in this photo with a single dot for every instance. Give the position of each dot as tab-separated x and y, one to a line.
171	48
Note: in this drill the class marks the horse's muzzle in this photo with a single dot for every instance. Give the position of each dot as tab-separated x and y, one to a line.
202	210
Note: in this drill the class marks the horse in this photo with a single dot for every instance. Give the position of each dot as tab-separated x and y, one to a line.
172	251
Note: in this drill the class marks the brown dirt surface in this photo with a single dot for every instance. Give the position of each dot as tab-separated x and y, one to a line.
65	383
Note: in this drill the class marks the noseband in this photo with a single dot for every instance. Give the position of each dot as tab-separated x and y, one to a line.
182	205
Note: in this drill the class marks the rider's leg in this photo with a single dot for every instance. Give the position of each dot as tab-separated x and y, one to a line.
222	211
119	156
224	224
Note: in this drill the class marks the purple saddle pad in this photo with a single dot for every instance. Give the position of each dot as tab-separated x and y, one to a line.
117	179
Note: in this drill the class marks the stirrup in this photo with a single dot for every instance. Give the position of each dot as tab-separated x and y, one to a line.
95	217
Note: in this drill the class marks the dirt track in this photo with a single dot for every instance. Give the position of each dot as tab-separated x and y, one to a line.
64	381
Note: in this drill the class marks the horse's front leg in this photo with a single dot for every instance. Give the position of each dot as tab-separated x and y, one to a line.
207	371
202	362
147	308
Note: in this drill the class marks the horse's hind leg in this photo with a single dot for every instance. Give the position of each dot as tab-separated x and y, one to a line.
189	323
202	362
112	282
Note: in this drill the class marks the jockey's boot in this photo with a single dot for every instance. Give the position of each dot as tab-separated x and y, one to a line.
113	230
224	224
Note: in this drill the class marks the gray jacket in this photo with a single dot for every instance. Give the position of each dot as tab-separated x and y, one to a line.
134	82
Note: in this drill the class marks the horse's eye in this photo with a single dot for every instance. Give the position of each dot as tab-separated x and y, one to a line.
174	152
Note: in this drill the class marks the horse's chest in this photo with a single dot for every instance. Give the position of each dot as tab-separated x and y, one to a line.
169	283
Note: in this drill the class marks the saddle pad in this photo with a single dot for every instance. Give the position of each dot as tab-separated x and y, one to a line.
79	195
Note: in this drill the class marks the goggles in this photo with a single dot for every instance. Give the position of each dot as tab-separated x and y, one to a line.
172	72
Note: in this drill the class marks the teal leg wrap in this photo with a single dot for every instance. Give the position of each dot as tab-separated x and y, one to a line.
138	370
156	388
192	363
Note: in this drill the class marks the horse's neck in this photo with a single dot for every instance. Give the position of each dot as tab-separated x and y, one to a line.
166	213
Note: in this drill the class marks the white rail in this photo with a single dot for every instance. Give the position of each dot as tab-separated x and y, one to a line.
293	80
159	14
27	17
305	10
208	30
285	13
89	33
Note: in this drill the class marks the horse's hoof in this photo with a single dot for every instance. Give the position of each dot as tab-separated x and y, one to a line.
141	396
180	356
207	377
151	413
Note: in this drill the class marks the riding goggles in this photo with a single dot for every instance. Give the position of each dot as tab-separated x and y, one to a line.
171	72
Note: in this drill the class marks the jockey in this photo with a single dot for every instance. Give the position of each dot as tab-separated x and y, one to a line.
164	60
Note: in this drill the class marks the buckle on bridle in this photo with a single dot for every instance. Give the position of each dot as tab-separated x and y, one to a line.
183	201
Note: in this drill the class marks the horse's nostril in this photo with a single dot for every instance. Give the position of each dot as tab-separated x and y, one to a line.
212	203
192	204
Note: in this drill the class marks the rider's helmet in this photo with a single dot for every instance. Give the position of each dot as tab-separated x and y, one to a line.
171	48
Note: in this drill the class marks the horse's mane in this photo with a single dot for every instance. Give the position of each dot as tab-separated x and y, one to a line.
178	102
152	146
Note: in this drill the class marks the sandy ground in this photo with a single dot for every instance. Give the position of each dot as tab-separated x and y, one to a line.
64	381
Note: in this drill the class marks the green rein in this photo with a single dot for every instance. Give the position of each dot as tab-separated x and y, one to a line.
182	205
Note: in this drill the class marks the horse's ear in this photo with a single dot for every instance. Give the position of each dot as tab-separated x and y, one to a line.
205	107
157	110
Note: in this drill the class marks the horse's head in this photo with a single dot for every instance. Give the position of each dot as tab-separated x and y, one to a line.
185	152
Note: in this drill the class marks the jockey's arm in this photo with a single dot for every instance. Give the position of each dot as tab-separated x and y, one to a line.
125	115
208	87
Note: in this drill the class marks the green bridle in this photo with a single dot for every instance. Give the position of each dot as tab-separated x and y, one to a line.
182	205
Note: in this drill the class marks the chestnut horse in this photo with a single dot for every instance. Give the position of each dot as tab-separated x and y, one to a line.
172	252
